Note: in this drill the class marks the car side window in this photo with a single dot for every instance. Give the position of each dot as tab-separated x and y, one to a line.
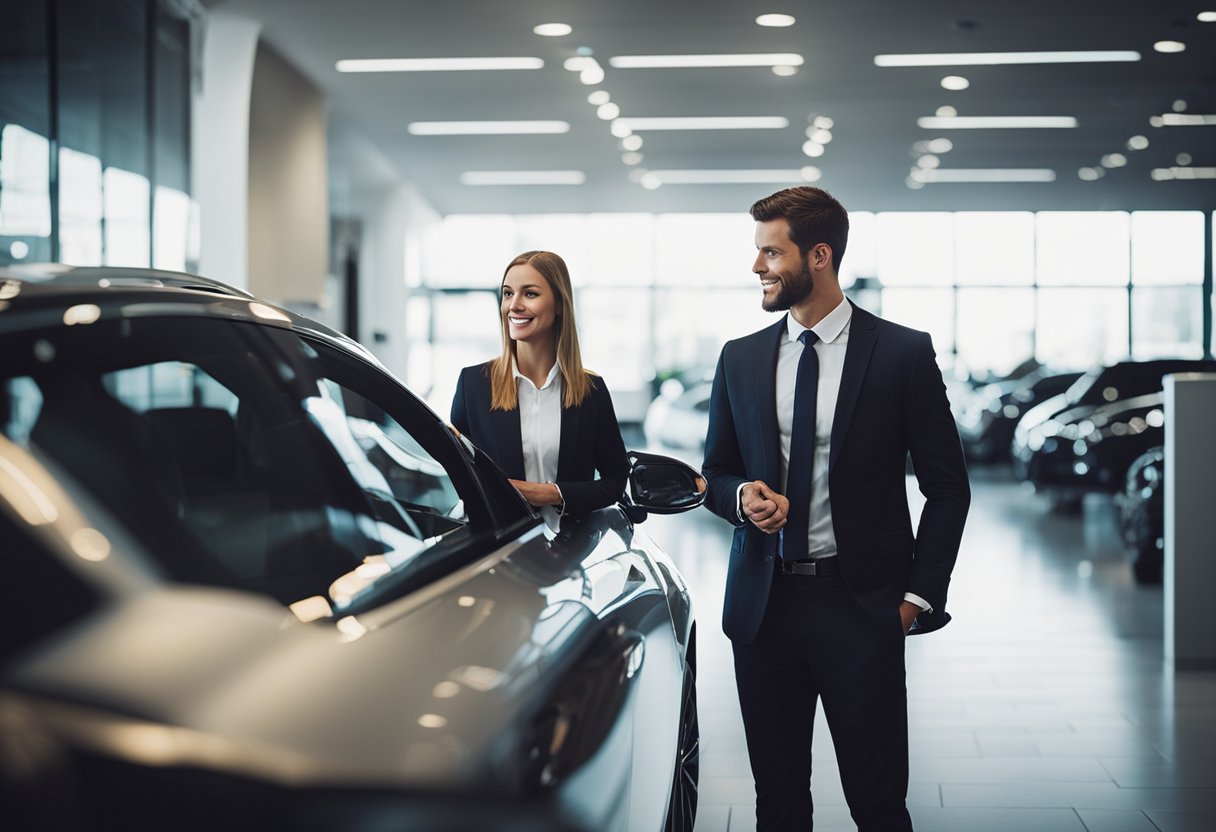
243	457
408	491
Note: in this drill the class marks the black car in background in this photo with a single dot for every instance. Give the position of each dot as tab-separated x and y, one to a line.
1045	444
255	583
1092	448
1142	515
986	422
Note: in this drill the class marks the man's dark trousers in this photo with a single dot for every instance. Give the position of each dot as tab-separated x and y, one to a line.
817	643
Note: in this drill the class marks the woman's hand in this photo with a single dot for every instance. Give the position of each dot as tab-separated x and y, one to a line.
538	493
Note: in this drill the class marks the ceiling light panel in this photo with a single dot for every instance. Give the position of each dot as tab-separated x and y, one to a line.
437	64
1180	120
485	128
778	21
553	30
704	123
982	175
691	61
523	177
995	122
1001	58
727	177
1184	173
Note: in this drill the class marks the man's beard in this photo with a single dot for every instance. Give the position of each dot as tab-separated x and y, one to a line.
793	288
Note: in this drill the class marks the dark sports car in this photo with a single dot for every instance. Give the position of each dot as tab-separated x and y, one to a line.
256	583
1092	448
1044	444
987	422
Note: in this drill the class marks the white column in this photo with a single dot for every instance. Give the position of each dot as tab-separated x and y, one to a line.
1190	520
220	142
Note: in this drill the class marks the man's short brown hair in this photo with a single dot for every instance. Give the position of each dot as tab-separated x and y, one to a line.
814	217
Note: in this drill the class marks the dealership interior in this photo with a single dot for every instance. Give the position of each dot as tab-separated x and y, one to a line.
1034	185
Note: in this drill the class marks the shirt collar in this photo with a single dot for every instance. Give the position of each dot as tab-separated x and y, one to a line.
829	329
554	371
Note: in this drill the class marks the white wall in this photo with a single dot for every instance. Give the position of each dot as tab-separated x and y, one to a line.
266	191
394	221
220	146
288	217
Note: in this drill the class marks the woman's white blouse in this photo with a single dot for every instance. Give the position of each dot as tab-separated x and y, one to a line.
540	426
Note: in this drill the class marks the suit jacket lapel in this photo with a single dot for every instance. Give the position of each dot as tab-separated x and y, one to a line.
508	444
766	400
567	448
863	333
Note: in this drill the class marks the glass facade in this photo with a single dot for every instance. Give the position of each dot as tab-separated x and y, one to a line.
658	295
95	133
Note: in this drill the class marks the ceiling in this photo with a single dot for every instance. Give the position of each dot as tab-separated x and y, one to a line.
874	109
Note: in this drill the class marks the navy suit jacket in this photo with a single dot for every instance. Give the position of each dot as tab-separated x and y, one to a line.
892	403
590	440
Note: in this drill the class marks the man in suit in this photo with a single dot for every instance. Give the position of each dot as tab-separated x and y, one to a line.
812	421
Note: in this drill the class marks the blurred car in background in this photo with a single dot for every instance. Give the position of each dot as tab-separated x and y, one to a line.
986	422
1045	450
1090	449
1142	515
678	418
258	584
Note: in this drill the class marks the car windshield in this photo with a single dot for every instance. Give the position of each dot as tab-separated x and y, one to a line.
239	453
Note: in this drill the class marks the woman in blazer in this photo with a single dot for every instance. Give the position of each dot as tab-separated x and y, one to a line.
546	421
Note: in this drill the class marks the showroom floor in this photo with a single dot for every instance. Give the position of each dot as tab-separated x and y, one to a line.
1043	706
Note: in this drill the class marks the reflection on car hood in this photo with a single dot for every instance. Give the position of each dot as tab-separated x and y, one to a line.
427	694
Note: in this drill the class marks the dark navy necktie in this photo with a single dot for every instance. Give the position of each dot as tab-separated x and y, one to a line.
802	452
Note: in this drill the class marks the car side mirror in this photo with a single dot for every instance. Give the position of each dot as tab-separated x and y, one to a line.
664	484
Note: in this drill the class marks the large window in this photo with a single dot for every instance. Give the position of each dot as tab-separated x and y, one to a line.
108	91
658	295
25	119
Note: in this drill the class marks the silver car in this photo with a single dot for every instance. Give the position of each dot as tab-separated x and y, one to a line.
256	583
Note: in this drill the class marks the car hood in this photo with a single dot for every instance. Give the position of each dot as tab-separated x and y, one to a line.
433	689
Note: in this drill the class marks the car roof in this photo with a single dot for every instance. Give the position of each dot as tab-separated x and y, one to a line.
58	277
55	286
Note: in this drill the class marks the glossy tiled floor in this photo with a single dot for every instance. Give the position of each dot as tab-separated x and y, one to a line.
1044	706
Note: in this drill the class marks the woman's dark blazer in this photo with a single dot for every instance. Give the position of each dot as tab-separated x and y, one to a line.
590	440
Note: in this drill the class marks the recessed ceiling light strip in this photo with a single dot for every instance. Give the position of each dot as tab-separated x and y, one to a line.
523	177
1005	58
701	61
1184	173
705	123
995	122
437	64
734	177
1187	120
485	128
982	175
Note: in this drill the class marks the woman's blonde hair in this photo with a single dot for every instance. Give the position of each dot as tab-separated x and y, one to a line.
504	395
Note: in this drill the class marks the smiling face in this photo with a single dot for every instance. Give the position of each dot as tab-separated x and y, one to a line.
785	277
529	307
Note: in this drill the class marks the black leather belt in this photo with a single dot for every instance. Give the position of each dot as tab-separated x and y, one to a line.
822	568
